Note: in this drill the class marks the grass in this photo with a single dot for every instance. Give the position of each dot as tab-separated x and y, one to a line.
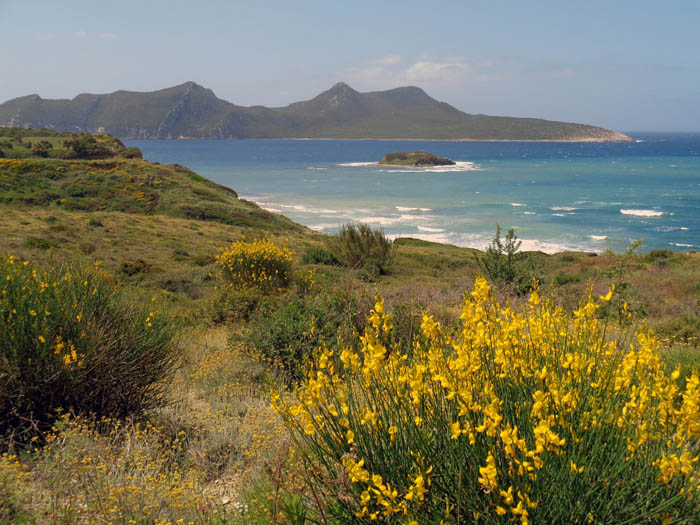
232	462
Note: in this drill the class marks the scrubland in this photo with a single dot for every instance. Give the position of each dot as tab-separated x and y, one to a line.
291	378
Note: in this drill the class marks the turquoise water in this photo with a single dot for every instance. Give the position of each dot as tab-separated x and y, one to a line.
557	195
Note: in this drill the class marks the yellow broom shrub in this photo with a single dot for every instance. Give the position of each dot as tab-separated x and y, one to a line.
534	416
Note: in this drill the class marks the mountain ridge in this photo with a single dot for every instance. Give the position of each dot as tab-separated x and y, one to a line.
189	110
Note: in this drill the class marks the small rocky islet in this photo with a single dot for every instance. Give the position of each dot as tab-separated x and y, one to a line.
416	159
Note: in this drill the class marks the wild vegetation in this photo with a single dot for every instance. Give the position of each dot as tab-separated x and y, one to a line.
589	398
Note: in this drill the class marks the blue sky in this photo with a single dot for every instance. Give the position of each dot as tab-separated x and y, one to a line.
626	65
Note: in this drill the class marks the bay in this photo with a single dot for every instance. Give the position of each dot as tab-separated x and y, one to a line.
558	196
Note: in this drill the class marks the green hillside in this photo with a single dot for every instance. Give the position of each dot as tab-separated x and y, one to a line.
213	450
192	111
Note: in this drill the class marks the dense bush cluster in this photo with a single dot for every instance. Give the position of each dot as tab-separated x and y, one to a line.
527	417
358	246
70	341
258	263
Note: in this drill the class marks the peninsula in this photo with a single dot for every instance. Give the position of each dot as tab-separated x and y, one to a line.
192	111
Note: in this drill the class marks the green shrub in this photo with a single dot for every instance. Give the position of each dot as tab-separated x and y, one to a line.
532	415
354	244
132	153
86	146
70	341
38	243
241	304
289	335
563	278
319	255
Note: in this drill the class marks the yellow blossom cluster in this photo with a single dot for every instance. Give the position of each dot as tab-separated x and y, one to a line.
494	417
257	263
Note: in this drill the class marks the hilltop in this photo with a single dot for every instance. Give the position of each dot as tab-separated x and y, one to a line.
192	111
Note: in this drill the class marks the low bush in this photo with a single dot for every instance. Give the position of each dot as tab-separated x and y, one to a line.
356	245
236	305
70	341
290	334
319	255
529	417
259	263
131	152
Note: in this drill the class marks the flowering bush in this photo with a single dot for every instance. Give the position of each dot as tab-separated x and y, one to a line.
533	416
69	340
259	263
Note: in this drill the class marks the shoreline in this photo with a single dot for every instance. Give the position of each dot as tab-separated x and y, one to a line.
368	139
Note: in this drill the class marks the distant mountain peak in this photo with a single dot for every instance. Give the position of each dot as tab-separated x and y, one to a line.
189	110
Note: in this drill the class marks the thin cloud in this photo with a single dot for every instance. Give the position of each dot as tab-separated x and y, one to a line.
80	35
426	70
386	60
108	36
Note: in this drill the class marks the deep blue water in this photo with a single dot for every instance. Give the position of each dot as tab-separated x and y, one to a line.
589	196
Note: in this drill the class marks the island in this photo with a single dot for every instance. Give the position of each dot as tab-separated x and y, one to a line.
416	159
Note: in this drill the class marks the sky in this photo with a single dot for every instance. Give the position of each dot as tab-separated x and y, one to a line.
625	65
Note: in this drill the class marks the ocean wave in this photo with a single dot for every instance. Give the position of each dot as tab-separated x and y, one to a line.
315	168
270	209
431	230
562	208
598	237
558	215
404	208
681	245
458	166
683	228
529	213
357	164
642	213
517	204
404	217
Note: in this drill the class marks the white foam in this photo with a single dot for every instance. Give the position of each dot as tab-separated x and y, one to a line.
642	213
558	215
357	164
298	207
681	245
432	230
458	166
517	204
562	208
683	228
529	213
598	237
404	208
273	210
315	168
404	217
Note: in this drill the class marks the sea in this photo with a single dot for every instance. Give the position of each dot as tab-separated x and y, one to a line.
558	196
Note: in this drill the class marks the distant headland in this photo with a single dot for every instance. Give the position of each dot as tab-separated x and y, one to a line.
194	112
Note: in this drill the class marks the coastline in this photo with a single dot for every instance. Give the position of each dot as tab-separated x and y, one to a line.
368	139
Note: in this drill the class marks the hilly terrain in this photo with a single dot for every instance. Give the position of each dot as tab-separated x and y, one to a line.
192	111
214	451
